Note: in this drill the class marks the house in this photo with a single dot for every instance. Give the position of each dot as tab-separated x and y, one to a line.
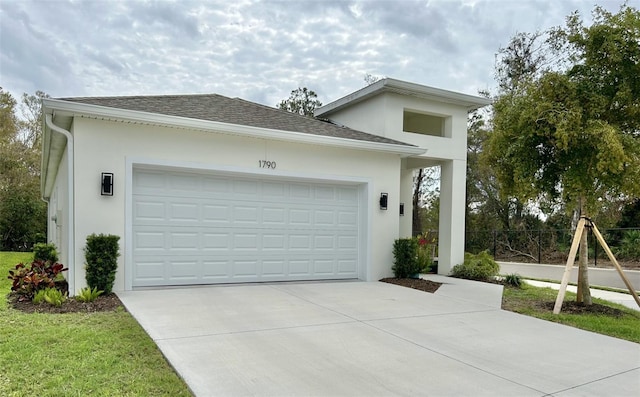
205	189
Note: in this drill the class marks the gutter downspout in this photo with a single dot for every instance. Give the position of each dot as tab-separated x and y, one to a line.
70	193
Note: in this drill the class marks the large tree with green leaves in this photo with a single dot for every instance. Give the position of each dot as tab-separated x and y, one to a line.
22	213
567	116
302	101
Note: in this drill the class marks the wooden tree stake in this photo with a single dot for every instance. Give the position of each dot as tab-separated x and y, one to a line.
572	258
570	261
615	262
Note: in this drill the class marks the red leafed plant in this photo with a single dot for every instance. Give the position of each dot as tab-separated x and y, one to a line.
27	280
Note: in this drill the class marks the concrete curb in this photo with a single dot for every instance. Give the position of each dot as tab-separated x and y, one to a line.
597	276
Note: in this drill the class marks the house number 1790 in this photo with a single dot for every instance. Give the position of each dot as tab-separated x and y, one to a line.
267	164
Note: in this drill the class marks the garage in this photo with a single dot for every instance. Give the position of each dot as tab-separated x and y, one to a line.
193	227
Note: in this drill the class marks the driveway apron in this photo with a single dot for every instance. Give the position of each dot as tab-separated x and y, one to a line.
374	339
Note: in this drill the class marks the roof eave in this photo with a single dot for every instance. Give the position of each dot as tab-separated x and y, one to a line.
470	102
62	107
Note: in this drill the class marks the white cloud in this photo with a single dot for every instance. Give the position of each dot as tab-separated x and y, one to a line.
259	50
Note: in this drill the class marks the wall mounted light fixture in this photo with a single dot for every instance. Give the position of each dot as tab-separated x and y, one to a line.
107	184
401	209
384	198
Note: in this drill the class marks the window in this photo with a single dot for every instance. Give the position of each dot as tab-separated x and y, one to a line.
421	123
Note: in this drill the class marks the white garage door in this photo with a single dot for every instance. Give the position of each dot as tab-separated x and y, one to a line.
191	228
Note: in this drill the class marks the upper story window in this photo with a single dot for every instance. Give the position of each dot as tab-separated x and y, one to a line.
422	123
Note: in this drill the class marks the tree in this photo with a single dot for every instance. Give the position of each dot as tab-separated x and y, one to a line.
370	79
569	130
426	192
22	213
302	101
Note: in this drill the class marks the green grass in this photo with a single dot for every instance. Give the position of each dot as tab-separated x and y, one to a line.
78	354
531	301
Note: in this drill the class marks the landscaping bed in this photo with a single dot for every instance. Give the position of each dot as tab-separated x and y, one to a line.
104	303
415	283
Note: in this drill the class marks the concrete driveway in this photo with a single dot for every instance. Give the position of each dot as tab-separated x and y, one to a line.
375	339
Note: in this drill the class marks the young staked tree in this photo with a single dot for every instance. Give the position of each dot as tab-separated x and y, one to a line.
567	116
302	101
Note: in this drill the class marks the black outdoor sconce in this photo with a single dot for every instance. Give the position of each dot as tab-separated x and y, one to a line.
401	209
107	184
383	201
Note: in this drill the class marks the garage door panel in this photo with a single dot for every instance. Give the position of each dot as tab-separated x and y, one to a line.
150	210
184	212
215	269
215	241
243	188
245	268
347	266
273	242
150	272
273	216
216	213
144	241
300	217
216	185
274	268
199	229
246	214
181	241
274	190
184	270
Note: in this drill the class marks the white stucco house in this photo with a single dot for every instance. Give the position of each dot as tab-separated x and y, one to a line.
205	189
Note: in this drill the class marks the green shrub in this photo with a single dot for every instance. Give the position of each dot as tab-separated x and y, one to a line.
88	294
480	267
101	255
27	280
405	254
38	298
513	280
630	245
45	252
52	296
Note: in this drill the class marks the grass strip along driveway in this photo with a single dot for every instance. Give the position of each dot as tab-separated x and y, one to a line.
77	354
602	317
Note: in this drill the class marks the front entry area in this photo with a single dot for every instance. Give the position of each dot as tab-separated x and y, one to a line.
193	227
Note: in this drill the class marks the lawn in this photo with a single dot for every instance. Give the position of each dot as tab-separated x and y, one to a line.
78	354
619	321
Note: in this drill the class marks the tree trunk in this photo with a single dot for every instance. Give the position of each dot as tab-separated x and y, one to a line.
584	293
417	221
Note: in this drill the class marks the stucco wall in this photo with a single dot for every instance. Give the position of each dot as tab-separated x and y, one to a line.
105	146
383	115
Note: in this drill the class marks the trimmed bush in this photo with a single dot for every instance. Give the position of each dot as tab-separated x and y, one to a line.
405	254
479	267
45	253
101	255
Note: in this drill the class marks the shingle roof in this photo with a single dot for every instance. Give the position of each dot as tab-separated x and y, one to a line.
213	107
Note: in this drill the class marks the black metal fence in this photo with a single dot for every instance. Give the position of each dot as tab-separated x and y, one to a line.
551	246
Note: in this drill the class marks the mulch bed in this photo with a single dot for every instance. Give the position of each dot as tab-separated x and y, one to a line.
567	307
104	303
573	307
415	283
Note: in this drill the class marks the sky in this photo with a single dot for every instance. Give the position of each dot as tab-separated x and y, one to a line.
262	50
